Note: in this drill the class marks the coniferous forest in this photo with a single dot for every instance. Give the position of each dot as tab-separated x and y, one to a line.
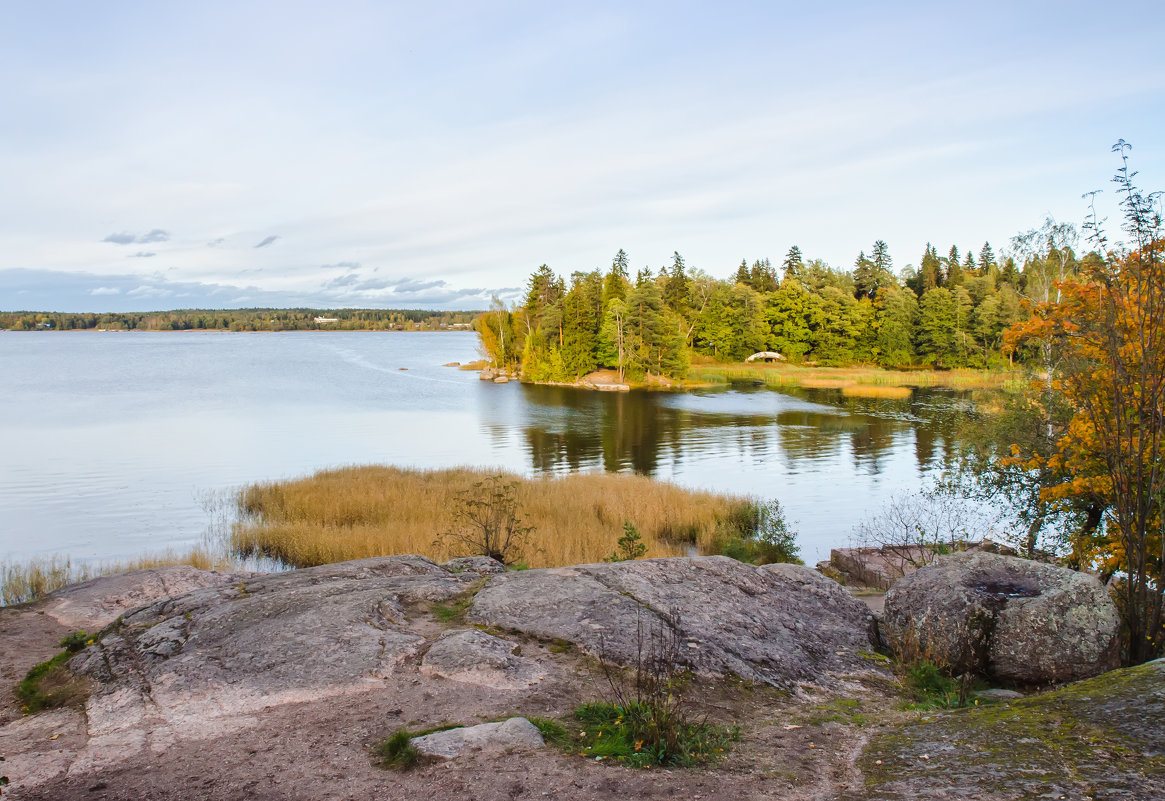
949	311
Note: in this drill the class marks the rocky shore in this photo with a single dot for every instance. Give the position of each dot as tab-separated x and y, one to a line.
235	685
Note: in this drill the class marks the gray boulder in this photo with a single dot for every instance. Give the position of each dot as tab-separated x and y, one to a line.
452	743
779	624
1009	618
474	657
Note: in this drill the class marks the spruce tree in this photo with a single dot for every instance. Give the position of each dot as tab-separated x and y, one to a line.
986	257
762	276
793	264
865	277
742	275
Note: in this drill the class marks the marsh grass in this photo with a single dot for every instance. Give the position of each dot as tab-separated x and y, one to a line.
843	378
359	512
21	582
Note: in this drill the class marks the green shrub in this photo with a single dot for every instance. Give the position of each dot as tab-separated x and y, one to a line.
628	547
931	687
758	533
643	735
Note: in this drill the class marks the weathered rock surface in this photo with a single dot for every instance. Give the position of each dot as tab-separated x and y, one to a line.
779	624
482	565
879	568
474	657
1100	738
452	743
269	640
96	603
1010	618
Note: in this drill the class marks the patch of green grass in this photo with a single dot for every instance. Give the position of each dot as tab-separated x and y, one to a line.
634	735
560	646
841	710
51	685
553	732
397	752
452	612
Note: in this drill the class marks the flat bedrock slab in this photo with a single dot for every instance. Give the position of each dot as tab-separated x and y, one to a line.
780	624
263	641
452	743
94	604
1013	619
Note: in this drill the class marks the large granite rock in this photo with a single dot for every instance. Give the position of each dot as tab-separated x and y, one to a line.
264	641
780	624
1009	618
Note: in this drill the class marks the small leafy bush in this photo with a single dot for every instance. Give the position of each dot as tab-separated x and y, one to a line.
760	535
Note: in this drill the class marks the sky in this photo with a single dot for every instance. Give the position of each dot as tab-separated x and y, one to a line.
167	155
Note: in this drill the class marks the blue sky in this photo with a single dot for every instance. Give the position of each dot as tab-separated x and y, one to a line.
165	155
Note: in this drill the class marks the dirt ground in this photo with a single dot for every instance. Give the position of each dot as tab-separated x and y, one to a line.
791	746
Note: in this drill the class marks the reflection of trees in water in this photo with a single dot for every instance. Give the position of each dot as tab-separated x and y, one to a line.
568	429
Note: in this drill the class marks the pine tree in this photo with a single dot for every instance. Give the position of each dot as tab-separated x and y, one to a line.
865	277
793	264
954	270
929	271
986	257
616	283
742	275
762	276
675	289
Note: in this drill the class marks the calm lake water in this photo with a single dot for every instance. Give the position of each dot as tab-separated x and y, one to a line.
113	443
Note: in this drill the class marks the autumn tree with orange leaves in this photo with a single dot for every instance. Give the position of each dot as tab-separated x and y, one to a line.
1108	325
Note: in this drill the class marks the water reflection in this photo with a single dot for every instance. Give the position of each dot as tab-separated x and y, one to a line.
563	429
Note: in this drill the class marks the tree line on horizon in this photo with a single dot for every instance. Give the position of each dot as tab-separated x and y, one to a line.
950	311
301	319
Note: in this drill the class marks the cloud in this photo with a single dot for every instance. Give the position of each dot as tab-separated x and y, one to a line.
341	265
147	291
342	281
129	292
156	235
214	243
143	254
268	241
126	238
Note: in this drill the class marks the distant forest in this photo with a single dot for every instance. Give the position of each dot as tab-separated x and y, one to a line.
950	311
244	320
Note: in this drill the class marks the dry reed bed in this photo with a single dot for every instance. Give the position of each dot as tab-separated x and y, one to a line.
358	512
788	375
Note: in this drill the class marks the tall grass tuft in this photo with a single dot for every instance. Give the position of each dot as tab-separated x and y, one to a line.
21	582
359	512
